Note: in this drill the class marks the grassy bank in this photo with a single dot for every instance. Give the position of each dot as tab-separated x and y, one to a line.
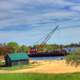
19	66
33	76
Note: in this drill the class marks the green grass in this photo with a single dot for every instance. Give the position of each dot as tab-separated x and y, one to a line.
19	66
35	76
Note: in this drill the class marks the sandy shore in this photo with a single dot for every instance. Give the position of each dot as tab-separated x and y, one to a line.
49	66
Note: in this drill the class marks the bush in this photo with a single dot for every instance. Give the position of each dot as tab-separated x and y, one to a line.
73	58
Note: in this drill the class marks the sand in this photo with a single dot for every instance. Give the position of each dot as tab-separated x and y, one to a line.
49	66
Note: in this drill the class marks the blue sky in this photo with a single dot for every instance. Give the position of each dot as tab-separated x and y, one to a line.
28	21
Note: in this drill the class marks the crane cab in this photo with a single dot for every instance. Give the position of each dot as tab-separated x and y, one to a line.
32	51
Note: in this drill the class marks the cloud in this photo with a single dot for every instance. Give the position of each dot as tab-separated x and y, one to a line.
76	8
35	20
31	18
74	1
7	5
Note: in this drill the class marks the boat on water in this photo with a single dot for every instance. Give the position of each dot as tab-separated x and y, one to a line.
49	53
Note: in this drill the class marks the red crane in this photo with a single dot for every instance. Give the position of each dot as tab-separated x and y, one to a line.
36	49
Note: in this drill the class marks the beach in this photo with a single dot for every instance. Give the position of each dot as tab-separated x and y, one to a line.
47	66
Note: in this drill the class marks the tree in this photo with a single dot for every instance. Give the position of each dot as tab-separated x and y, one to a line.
74	58
23	48
5	50
14	45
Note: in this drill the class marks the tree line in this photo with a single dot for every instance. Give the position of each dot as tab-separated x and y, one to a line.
14	47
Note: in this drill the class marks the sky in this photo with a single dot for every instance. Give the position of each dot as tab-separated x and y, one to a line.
29	21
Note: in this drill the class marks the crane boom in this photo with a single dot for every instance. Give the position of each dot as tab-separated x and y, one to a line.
49	35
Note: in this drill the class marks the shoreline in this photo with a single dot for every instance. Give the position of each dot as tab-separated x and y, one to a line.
47	66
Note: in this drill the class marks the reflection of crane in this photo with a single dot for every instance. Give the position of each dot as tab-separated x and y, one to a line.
37	48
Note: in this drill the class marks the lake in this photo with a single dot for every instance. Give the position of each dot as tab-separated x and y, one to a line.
48	58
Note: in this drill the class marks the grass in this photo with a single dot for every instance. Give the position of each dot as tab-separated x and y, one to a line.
20	66
17	67
36	76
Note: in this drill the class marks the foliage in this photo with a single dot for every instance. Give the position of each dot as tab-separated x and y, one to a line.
48	47
14	45
73	45
51	47
74	58
5	49
40	76
24	48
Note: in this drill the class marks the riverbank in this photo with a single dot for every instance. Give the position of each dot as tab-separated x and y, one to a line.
47	66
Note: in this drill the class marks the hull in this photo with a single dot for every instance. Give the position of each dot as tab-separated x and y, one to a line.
49	53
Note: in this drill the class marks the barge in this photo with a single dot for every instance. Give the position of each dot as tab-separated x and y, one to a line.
49	53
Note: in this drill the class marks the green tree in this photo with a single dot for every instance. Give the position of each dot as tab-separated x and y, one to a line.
14	45
51	47
24	48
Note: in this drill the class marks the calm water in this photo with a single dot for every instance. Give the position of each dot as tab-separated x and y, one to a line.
47	58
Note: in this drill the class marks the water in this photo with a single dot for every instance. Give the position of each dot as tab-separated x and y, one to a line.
69	49
48	58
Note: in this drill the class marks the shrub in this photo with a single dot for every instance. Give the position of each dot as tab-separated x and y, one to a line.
73	58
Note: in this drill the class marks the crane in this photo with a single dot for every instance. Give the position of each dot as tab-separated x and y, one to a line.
36	49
